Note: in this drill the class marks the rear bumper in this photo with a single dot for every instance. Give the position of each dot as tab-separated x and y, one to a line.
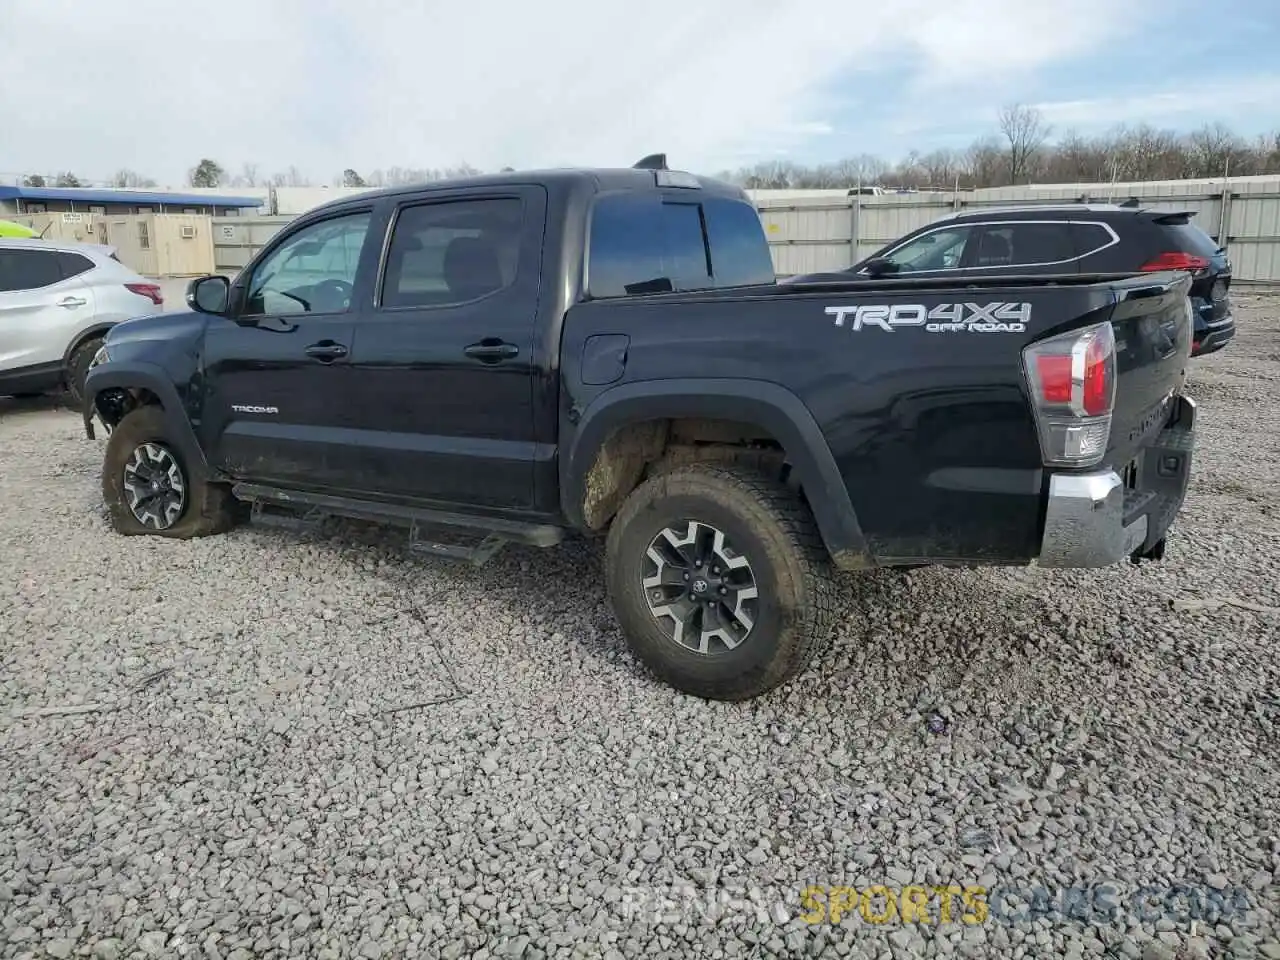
1211	334
1214	336
1100	518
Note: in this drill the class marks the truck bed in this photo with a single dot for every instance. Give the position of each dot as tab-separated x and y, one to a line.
916	385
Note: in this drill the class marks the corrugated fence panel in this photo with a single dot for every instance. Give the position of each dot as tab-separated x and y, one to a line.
811	236
882	222
817	236
236	240
809	258
1253	236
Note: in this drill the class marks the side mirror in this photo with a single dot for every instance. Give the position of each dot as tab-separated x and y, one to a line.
879	266
209	295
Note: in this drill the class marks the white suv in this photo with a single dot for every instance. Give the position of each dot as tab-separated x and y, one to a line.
57	301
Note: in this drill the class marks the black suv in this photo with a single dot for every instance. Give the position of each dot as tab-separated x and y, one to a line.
1078	238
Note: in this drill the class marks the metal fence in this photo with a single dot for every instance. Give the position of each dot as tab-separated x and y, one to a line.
831	233
236	240
808	236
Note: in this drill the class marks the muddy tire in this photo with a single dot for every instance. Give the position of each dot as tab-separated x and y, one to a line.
719	580
78	369
149	489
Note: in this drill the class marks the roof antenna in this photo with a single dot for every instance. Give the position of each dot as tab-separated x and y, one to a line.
654	161
1130	203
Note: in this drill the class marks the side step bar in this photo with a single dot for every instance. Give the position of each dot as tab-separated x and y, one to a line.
297	509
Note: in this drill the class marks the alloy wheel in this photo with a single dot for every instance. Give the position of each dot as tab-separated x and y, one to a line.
701	591
154	486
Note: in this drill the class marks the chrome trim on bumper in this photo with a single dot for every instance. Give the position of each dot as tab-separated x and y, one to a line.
1084	522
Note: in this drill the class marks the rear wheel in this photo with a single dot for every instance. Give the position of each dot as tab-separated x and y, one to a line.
148	488
78	368
719	580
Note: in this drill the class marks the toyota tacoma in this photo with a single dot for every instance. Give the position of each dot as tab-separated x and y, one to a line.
531	356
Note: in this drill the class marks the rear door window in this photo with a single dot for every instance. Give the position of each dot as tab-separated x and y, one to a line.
1046	244
1031	244
451	252
28	269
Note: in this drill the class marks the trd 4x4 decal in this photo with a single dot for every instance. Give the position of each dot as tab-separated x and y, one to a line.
998	317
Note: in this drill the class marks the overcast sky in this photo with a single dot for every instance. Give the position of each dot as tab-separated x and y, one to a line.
95	85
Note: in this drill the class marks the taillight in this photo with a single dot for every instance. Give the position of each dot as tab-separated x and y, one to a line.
149	290
1176	260
1073	390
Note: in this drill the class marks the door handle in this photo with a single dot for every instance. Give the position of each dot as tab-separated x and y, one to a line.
70	302
491	350
326	351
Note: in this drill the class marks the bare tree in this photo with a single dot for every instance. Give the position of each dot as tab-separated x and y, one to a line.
124	177
861	170
1145	153
1025	130
939	169
1075	159
1215	150
247	177
986	162
292	177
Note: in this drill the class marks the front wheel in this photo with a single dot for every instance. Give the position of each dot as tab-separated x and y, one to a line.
149	489
720	580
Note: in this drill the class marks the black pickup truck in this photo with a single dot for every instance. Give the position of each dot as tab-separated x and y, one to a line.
534	355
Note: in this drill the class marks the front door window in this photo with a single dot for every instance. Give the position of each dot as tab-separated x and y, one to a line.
938	250
314	271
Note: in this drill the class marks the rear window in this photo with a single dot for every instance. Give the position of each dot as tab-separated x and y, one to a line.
1188	238
739	251
647	243
73	264
1091	238
685	245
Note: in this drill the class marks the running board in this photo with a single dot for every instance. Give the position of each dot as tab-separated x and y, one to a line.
464	536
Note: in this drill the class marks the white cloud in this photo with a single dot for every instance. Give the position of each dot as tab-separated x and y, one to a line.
1200	103
155	85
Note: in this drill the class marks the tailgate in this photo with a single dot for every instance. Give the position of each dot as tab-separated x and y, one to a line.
1152	322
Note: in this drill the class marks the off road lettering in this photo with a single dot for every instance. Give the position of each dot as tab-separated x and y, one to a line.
960	317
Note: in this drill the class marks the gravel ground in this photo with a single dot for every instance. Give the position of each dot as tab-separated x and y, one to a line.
320	746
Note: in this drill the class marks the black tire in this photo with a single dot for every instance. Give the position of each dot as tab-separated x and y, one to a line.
207	508
78	369
769	526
